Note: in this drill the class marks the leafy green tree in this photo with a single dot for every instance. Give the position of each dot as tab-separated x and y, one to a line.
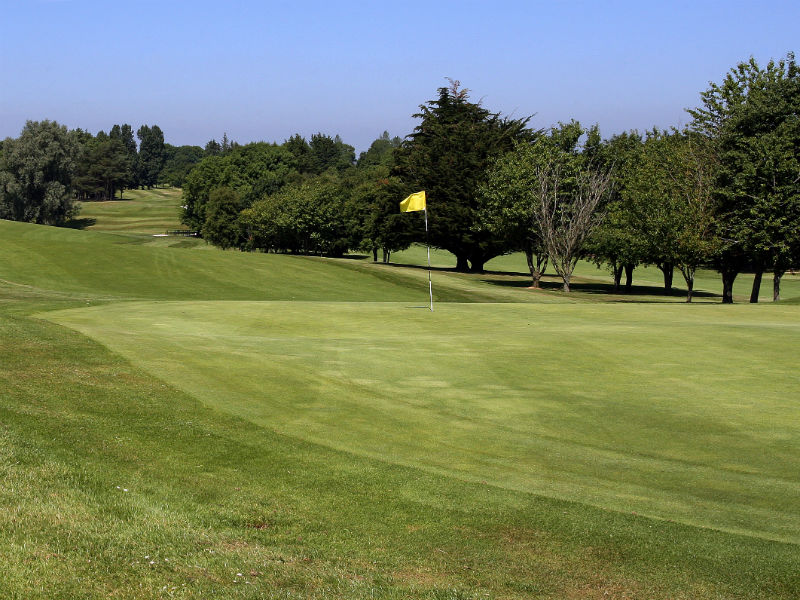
670	200
751	119
380	152
378	225
212	148
178	161
326	153
36	173
301	151
312	217
510	204
545	197
221	227
104	168
151	155
252	170
616	241
447	155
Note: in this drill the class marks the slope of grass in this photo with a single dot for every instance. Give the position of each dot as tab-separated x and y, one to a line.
138	212
111	266
234	443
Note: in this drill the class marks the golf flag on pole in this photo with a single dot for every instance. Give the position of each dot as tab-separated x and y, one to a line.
413	202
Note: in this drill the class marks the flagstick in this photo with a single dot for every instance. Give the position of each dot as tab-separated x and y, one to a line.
427	244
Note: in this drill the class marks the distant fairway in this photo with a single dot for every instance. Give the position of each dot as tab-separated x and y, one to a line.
178	421
140	212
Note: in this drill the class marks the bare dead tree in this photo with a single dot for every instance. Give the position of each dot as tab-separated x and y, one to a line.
569	200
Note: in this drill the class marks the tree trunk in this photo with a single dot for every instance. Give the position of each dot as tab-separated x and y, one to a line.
566	283
728	277
476	265
668	269
462	265
386	255
756	286
617	270
537	267
532	269
629	277
374	254
776	285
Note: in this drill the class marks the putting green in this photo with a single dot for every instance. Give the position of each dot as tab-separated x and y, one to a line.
685	413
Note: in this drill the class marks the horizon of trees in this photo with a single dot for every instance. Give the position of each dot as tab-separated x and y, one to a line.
723	193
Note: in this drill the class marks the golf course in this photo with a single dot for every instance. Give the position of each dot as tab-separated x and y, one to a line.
179	421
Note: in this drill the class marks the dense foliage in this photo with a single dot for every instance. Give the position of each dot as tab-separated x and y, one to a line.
725	192
447	155
546	198
36	172
752	120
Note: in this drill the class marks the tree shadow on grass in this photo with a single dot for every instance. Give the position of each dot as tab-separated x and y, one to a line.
99	200
419	267
605	289
516	279
81	223
353	256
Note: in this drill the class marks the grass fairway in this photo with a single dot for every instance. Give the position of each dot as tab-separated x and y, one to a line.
182	422
139	212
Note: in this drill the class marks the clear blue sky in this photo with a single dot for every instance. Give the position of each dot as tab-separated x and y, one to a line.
265	70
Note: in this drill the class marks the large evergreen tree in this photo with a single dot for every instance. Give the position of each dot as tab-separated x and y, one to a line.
447	156
124	133
104	168
151	155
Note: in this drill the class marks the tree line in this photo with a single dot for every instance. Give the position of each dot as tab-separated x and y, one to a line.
723	192
48	169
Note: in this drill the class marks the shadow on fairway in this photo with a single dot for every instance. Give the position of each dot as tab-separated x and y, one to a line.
419	267
82	223
606	289
353	256
516	279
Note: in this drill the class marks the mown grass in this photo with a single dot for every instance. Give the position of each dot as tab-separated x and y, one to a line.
138	212
354	445
116	483
562	400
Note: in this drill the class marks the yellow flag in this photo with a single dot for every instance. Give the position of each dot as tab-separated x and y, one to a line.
413	202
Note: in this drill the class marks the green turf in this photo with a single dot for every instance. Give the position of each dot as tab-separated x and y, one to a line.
138	212
298	427
559	400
